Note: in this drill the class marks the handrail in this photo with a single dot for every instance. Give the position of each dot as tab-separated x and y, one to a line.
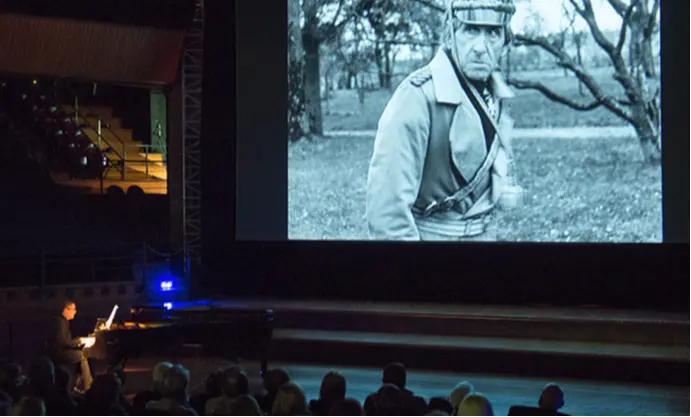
122	156
89	108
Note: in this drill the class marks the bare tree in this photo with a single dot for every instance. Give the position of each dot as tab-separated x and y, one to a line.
316	31
640	105
298	126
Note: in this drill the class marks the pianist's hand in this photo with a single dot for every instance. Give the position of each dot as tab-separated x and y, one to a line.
87	341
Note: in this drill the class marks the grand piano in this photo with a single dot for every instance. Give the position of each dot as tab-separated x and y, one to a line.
205	330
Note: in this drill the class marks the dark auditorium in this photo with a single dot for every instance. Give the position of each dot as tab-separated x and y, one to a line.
227	207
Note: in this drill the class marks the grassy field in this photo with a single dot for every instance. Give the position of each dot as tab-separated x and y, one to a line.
580	190
529	108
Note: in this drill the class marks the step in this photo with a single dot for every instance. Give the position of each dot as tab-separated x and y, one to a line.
581	329
157	157
156	171
112	123
526	357
159	173
115	135
149	185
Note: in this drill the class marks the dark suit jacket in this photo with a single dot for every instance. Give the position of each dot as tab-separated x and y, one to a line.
62	347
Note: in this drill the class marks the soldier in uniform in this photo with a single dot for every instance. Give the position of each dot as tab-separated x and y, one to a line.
442	160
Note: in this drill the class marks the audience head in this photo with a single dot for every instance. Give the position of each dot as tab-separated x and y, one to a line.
12	379
175	383
395	373
62	379
460	392
552	397
5	404
69	309
105	390
10	374
475	404
290	400
235	383
389	401
333	388
245	405
29	406
213	386
274	378
42	372
440	404
436	413
347	407
159	374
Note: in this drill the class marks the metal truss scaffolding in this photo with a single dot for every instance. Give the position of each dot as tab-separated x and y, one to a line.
192	76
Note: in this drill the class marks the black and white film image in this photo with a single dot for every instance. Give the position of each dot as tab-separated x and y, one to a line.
474	120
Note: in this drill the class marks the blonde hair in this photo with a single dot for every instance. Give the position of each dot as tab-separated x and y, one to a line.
475	405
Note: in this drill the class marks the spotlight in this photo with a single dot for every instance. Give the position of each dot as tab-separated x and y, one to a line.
168	306
166	285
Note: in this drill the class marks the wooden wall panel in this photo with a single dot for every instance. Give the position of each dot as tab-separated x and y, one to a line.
102	52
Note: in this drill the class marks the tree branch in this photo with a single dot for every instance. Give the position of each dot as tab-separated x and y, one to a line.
622	32
619	6
650	28
431	4
532	85
622	74
565	61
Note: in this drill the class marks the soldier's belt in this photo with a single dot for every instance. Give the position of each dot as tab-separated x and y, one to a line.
456	228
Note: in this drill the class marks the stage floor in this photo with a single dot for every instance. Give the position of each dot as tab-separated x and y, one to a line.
588	313
582	397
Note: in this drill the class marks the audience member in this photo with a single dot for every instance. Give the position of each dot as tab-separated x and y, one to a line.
103	398
388	401
29	406
61	402
244	405
273	379
5	404
12	380
290	401
475	404
41	379
552	397
459	393
213	388
52	386
235	383
154	394
441	404
347	407
395	374
332	390
175	396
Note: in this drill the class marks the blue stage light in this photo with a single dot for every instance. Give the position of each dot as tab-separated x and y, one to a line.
166	285
168	306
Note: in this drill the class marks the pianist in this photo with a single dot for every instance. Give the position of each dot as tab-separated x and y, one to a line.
65	350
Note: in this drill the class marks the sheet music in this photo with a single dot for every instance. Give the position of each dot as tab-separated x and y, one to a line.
111	317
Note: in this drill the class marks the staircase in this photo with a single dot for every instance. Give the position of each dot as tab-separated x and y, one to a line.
130	162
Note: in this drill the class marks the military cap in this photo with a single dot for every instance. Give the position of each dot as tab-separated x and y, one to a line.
482	12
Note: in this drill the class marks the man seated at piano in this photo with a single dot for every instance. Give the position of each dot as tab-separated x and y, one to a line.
67	351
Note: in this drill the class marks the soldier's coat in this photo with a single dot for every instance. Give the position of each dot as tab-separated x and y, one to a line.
429	124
